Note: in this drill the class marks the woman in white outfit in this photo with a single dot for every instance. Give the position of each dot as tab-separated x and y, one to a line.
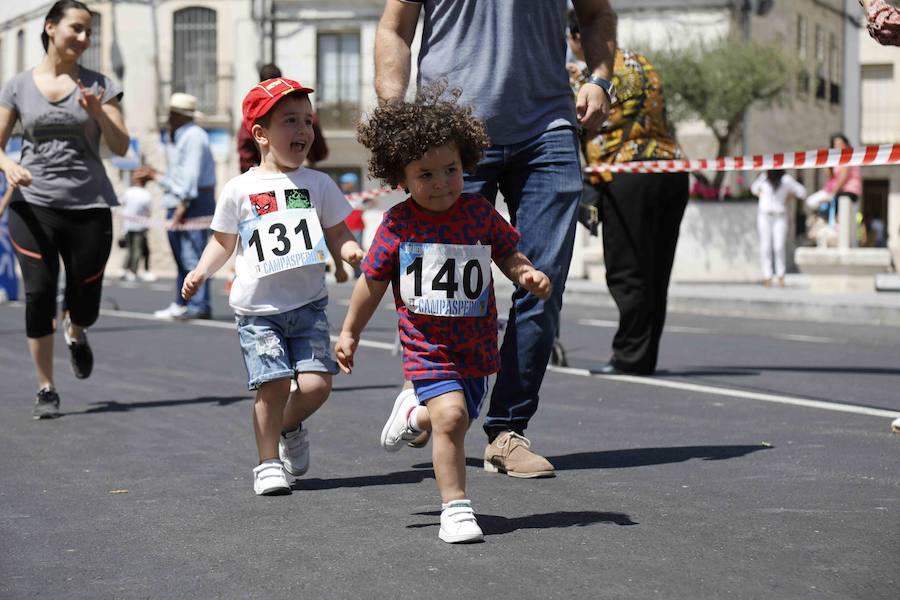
773	189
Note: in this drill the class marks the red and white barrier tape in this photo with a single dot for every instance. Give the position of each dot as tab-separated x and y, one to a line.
885	154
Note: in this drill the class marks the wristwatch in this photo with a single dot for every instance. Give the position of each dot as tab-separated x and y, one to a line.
607	86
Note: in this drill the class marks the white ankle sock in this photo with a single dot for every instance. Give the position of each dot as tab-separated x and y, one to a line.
413	420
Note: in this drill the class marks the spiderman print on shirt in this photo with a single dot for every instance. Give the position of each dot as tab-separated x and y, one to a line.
442	347
263	203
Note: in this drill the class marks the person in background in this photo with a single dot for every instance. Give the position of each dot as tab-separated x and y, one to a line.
136	207
349	183
773	189
882	21
189	188
61	202
640	213
842	181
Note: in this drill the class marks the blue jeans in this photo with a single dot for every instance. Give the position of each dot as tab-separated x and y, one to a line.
540	179
187	246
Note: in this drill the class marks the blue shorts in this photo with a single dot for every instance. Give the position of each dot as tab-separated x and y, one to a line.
280	346
473	388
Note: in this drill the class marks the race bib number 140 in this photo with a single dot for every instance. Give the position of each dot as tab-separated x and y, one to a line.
282	240
445	280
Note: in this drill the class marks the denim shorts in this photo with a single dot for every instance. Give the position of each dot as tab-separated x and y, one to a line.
280	346
473	388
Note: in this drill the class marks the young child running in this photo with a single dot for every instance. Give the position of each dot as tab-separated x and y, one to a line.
284	215
436	248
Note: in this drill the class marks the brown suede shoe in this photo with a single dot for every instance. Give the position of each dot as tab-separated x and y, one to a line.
509	453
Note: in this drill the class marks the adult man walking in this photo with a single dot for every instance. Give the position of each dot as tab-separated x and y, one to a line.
189	188
508	59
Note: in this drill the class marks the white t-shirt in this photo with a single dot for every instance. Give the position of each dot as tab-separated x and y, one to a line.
136	203
254	194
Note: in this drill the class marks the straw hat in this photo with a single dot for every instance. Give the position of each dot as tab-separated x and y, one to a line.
183	104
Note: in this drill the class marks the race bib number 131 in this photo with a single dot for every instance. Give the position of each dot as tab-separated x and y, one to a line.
445	280
282	240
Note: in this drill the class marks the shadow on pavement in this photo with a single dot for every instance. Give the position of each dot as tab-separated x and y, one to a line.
398	478
102	407
635	457
497	525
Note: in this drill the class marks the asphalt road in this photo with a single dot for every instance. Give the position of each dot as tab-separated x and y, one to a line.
759	463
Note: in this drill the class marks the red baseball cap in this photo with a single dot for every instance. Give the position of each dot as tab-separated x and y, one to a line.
260	100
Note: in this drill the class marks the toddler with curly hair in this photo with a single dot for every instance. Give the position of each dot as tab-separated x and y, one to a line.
435	248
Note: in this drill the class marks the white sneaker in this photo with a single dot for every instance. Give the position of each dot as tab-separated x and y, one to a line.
171	312
397	431
147	276
293	448
128	276
269	479
895	425
458	524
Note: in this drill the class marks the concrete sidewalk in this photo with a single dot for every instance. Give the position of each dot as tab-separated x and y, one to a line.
793	302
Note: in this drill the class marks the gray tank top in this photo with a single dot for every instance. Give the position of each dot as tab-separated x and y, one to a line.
61	144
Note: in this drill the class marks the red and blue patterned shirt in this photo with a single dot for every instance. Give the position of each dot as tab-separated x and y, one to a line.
437	347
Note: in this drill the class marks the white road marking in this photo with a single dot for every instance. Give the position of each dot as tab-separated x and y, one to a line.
615	324
733	393
699	330
655	382
218	325
805	338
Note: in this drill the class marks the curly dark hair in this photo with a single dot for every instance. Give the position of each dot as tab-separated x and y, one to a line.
398	132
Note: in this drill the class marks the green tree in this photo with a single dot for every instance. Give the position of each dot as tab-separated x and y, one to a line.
716	82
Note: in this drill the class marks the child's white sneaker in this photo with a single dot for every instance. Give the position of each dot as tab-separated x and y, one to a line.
293	448
397	431
269	479
458	524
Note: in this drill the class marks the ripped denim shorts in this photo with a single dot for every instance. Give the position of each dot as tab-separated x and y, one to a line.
282	345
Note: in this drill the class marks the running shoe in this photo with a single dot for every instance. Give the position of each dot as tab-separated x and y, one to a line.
269	479
396	430
293	449
46	405
458	523
173	311
80	355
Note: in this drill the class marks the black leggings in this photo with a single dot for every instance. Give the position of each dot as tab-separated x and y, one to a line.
40	236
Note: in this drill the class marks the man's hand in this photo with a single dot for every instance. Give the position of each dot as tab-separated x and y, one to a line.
178	215
537	283
192	283
340	273
344	350
592	106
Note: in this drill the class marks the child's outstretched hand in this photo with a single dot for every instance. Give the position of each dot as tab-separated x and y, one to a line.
192	283
355	256
344	350
537	283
